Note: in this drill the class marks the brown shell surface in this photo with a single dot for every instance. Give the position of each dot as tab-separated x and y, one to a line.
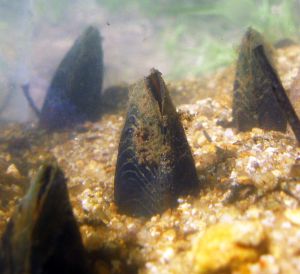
148	140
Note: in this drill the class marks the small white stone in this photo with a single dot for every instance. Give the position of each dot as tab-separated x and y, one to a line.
167	255
13	171
229	134
252	165
271	150
131	227
86	205
293	215
226	218
286	225
276	173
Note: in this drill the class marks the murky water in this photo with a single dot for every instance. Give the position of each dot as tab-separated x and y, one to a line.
179	169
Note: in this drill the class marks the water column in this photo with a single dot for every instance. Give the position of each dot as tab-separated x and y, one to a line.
16	28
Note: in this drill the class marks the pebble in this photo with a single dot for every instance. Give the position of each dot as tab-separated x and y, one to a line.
230	245
13	171
293	215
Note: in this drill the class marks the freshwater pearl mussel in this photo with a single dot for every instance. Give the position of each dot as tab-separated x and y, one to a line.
74	94
42	235
155	164
254	104
259	99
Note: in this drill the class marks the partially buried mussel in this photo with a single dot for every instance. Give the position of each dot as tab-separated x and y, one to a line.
254	104
279	91
155	164
74	94
42	236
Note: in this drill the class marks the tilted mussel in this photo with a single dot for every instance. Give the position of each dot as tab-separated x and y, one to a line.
74	94
254	104
154	164
42	236
279	91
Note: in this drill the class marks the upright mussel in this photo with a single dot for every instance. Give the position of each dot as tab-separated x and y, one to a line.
155	164
42	236
74	94
254	103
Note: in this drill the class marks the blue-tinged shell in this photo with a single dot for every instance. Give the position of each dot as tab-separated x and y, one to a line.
74	94
155	164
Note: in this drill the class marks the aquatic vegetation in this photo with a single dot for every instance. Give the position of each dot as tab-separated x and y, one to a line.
42	236
254	104
74	94
26	88
155	164
200	40
53	11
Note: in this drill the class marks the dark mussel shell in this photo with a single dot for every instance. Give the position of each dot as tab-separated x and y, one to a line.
74	94
42	236
254	104
279	91
155	164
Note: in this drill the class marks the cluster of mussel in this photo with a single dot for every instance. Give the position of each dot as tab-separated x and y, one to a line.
155	164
